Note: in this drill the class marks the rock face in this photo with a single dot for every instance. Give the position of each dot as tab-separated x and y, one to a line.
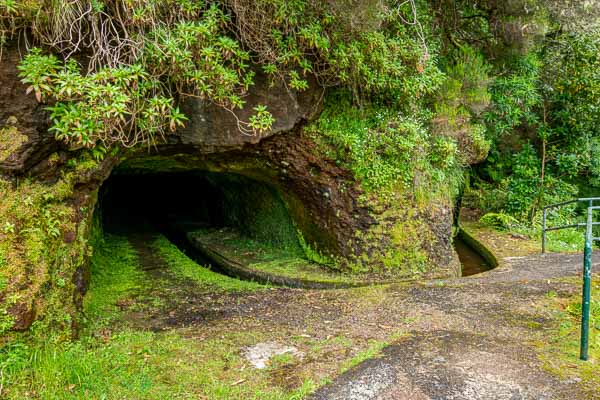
212	129
323	199
29	141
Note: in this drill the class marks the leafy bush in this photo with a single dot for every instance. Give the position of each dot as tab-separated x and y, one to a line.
146	55
461	99
541	120
499	221
134	102
515	97
377	48
385	150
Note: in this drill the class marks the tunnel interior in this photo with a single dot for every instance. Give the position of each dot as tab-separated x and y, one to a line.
190	200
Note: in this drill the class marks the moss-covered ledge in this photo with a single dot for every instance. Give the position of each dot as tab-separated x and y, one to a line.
249	260
501	244
478	246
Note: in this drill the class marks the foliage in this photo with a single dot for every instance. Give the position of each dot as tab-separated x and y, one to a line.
377	48
135	102
499	221
515	97
461	99
116	105
385	150
572	76
144	56
540	123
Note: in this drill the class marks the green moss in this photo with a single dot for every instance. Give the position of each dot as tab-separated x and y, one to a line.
185	267
115	276
312	253
261	257
388	151
114	362
10	141
372	351
257	210
398	244
154	164
39	264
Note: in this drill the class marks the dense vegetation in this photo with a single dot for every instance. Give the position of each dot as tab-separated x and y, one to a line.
424	102
520	75
113	73
414	92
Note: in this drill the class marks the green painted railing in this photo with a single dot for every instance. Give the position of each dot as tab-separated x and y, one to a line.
545	229
587	263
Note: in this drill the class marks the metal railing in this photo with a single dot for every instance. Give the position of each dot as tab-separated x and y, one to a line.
587	262
587	283
546	229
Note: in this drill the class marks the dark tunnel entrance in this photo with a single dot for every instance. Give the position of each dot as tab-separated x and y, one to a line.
176	203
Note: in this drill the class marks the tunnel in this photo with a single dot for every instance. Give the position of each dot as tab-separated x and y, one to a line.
174	203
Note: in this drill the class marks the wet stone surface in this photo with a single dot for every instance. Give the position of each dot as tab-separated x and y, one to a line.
449	365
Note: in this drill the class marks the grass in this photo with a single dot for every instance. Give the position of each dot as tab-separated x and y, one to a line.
559	241
560	353
266	258
373	350
112	361
187	268
115	277
570	240
139	365
117	359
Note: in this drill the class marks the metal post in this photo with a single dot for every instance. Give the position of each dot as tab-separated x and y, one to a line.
587	279
544	213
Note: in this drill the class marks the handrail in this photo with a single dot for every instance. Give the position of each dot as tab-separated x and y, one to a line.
546	229
564	203
587	262
587	283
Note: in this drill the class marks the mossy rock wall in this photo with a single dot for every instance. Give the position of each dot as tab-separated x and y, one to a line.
257	210
45	247
49	193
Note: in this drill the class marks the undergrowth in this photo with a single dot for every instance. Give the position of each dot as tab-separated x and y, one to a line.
112	361
186	267
561	351
386	151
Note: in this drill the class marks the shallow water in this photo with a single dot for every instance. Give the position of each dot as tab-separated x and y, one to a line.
472	263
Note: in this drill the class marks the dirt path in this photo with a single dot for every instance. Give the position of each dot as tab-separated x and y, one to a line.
473	341
470	338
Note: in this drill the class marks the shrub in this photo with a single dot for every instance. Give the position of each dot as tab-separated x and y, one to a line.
499	221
